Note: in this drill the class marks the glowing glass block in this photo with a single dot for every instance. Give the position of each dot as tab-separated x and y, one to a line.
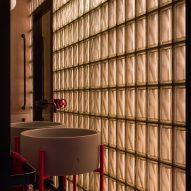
80	101
75	121
75	79
112	72
112	162
112	13
141	68
152	176
80	53
80	28
153	103
97	102
121	134
104	16
112	102
141	33
141	103
86	101
130	137
80	77
141	138
104	74
140	7
165	143
91	102
112	132
121	40
75	31
152	4
121	71
121	165
105	139
86	26
75	54
112	42
120	11
80	7
121	103
180	180
140	173
130	103
130	9
104	103
165	178
86	76
86	181
104	45
130	70
130	37
86	122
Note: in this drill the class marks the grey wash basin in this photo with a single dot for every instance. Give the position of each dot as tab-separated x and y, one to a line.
68	151
17	128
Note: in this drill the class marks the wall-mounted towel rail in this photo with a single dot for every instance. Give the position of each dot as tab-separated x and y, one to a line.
24	46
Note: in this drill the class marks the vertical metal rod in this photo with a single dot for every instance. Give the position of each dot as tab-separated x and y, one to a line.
74	182
24	44
41	173
101	167
17	144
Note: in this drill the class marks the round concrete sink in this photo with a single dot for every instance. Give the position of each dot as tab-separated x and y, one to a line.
68	151
17	128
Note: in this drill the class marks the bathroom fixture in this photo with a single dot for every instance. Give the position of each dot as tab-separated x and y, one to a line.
24	73
78	149
55	103
13	4
17	128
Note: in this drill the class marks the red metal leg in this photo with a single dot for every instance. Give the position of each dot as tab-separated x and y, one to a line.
64	179
101	167
74	182
17	144
41	173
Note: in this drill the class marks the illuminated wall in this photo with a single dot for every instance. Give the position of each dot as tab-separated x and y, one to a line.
121	66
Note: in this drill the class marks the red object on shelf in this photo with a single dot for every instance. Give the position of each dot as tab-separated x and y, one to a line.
60	103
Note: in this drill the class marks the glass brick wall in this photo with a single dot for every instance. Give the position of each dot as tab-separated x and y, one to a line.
121	66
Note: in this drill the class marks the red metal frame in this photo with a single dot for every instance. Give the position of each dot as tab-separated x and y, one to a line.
42	177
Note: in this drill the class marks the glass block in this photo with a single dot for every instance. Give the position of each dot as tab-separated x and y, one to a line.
141	33
166	25
86	76
104	102
130	169
80	53
121	40
112	42
91	75
130	70
180	180
130	137
86	121
166	65
62	59
166	104
152	66
180	107
140	173
97	75
120	11
104	74
152	176
80	101
165	178
62	80
75	10
112	184
70	33
152	34
112	163
58	40
130	103
152	4
97	22
130	9
121	102
106	160
112	133
75	121
121	134
70	105
91	50
62	38
153	104
112	13
80	28
80	77
86	5
97	102
97	47
75	54
180	21
112	102
112	72
104	132
86	51
91	123
91	179
70	55
96	181
141	103
86	101
80	121
140	7
121	166
141	138
80	7
130	37
65	79
141	68
166	143
104	45
180	63
92	24
91	97
152	141
75	31
86	25
86	181
75	101
120	187
97	124
180	147
66	36
104	16
121	71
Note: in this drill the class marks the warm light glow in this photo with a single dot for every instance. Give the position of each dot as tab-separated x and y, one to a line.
13	4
